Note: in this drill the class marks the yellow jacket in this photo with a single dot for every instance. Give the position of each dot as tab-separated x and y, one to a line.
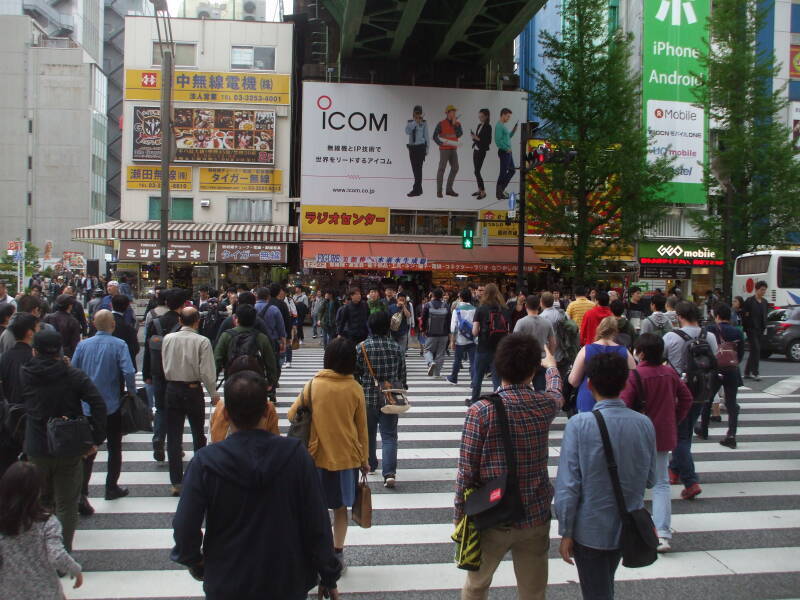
338	423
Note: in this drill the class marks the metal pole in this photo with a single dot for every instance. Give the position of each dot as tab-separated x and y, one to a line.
166	151
20	266
522	201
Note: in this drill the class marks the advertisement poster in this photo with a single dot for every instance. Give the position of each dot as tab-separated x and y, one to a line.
149	178
357	152
351	220
672	44
207	135
231	179
794	62
201	86
795	119
251	253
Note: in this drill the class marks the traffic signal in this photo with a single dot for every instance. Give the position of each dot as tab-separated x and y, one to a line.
467	240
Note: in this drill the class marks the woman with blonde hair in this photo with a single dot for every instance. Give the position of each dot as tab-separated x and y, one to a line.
604	342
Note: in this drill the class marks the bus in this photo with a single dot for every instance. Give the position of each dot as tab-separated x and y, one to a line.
779	268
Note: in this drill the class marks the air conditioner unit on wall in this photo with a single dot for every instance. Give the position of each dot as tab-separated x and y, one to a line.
205	203
253	10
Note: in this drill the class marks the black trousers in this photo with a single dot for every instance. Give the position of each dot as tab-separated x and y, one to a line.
114	447
183	400
478	156
730	382
754	358
416	155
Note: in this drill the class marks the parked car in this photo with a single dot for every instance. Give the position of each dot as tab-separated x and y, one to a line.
783	333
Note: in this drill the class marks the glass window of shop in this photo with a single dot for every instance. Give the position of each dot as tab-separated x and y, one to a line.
431	223
185	54
253	58
249	210
181	209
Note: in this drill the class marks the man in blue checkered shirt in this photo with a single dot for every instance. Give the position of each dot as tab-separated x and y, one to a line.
383	354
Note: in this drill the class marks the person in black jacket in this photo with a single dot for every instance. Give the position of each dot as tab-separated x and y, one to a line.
65	323
77	310
228	323
122	330
755	322
268	534
352	318
53	389
11	363
481	141
277	295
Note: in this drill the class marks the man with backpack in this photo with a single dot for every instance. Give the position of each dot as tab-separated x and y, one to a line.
436	325
489	326
246	348
658	322
462	342
153	368
692	353
188	366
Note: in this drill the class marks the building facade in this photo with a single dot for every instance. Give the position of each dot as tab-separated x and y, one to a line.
230	205
53	162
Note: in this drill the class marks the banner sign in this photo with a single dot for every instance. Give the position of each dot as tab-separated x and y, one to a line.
406	263
231	179
673	44
362	145
207	135
683	253
495	220
202	86
149	178
151	251
345	219
251	253
794	62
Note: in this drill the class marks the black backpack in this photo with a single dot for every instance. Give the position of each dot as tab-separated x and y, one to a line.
211	321
12	424
156	341
498	327
701	365
244	353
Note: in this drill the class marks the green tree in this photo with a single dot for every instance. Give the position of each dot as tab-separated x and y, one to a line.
589	100
8	265
752	175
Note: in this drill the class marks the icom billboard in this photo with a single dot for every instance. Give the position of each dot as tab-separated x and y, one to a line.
406	147
673	46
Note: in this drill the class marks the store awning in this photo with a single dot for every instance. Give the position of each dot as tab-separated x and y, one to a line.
188	232
414	257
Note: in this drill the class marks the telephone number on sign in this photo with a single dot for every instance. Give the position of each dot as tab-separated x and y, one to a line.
254	98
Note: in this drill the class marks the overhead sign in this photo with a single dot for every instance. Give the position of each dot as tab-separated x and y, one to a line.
251	253
223	179
149	178
204	86
495	221
666	272
349	220
207	135
151	251
683	253
673	43
362	145
406	263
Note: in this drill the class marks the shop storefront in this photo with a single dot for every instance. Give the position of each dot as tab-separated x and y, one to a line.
692	266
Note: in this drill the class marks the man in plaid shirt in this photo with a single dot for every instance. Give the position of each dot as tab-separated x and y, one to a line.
482	458
389	364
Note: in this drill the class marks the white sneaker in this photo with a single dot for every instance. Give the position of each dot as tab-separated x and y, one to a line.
389	482
287	365
663	545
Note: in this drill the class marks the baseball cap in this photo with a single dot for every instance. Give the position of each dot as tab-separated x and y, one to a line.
47	341
449	108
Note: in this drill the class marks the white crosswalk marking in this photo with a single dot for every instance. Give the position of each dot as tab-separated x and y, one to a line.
124	547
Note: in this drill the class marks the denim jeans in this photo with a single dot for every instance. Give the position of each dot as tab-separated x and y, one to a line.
387	424
468	351
662	501
596	569
506	169
682	461
402	340
435	347
157	391
484	362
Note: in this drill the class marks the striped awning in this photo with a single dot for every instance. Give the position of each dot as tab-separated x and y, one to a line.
188	232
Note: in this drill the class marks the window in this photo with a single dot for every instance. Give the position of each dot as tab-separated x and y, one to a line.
411	222
185	54
181	209
750	265
249	210
461	221
402	222
253	58
788	272
432	224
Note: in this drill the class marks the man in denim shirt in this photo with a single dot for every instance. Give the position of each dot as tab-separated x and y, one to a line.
588	516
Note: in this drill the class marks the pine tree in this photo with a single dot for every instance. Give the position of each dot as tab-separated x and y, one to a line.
589	100
752	175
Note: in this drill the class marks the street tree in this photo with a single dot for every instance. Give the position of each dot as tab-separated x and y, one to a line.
752	175
600	192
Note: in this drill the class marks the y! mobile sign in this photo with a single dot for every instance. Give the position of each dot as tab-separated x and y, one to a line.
406	147
673	45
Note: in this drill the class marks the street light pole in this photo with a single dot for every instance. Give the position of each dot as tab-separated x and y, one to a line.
166	152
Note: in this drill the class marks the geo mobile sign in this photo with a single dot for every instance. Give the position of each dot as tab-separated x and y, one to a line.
672	40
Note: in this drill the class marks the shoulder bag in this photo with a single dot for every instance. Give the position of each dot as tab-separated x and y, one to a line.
498	501
300	426
135	414
727	355
395	401
68	437
638	540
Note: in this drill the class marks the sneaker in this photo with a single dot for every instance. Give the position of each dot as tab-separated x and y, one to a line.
431	369
716	418
301	342
729	442
756	378
663	545
84	508
449	380
698	431
158	451
117	492
175	491
674	478
287	365
389	481
691	492
313	337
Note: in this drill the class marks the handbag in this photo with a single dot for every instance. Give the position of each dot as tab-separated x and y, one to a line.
135	414
395	401
638	539
300	426
727	355
362	509
468	542
498	501
69	437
